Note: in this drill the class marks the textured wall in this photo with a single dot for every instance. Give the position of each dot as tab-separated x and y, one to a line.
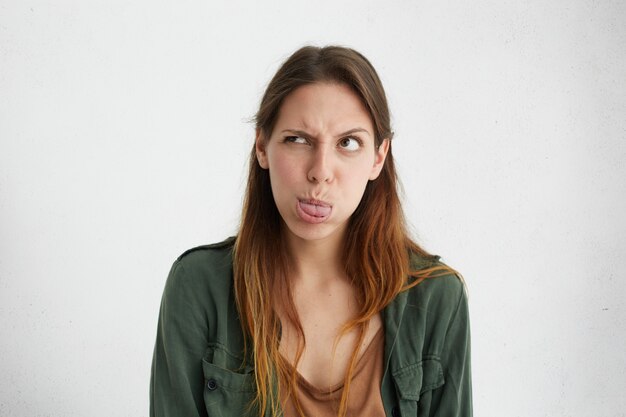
123	141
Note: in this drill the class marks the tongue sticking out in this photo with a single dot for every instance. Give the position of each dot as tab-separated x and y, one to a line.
314	209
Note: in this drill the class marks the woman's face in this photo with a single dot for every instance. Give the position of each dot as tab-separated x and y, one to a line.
320	157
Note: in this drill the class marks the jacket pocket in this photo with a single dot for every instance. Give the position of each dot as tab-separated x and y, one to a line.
228	391
414	380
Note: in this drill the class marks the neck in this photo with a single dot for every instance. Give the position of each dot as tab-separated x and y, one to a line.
316	261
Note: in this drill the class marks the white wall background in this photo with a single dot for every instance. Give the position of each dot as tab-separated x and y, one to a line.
123	142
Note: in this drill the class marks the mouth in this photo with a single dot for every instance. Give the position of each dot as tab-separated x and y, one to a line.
313	211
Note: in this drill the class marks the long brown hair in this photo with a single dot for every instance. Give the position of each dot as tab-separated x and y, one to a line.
377	246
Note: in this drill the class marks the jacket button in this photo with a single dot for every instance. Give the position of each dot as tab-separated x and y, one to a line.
211	384
395	411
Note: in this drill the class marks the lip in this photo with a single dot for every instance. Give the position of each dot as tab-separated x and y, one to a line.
314	201
304	212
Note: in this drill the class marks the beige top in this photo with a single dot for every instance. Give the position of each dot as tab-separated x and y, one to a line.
364	398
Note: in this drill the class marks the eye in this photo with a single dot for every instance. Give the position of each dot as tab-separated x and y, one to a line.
350	143
296	139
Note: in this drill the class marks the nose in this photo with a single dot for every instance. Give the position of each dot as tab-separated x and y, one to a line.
320	166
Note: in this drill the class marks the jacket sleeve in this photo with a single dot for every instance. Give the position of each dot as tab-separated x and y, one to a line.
454	397
177	381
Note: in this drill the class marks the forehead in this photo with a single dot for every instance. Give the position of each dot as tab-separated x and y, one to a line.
323	108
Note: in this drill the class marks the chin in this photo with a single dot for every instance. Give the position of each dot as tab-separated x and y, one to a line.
314	232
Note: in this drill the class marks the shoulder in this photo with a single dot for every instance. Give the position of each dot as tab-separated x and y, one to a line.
442	293
209	258
426	312
201	252
205	269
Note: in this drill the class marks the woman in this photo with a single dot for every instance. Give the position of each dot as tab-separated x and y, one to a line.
322	305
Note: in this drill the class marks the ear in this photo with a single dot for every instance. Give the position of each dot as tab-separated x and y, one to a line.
379	160
261	153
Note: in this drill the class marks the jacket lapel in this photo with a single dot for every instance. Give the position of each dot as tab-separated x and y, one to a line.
392	319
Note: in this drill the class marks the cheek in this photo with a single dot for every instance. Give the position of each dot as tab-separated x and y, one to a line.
355	182
283	166
360	172
283	174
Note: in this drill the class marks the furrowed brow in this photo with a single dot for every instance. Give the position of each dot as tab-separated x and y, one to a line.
298	133
309	136
355	130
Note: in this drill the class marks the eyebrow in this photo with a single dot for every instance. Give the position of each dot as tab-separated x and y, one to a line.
307	135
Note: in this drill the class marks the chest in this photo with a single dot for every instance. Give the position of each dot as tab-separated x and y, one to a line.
327	352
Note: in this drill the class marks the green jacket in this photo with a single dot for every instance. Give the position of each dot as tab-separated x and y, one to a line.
196	368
